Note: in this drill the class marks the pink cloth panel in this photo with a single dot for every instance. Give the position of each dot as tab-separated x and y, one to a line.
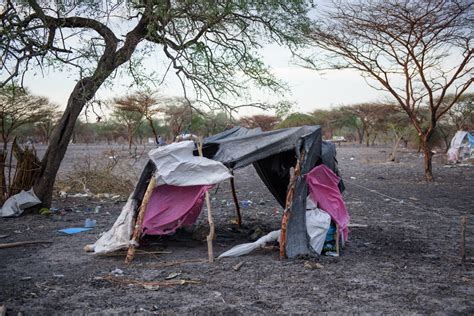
322	183
171	207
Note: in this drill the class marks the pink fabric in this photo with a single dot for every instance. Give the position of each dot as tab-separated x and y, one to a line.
171	207
322	183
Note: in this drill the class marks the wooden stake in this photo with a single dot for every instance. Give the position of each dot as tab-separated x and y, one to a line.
210	237
288	203
463	238
236	201
139	221
338	236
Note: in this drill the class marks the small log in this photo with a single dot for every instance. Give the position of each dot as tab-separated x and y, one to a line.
139	221
236	201
23	243
463	238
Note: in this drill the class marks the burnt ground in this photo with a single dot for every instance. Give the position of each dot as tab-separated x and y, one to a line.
405	261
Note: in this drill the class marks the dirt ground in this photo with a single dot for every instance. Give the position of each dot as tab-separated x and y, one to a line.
404	261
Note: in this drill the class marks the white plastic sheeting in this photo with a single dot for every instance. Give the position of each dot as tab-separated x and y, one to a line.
247	248
317	226
118	237
454	152
176	165
16	204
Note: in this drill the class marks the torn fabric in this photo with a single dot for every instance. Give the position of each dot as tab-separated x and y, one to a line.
176	165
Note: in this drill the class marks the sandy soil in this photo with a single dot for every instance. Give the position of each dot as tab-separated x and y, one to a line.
405	261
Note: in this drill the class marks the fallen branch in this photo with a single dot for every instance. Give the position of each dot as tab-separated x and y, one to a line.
23	243
146	284
463	239
177	262
137	252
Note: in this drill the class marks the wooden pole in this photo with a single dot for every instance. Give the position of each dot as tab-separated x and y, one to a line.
236	201
463	238
338	236
139	221
288	203
210	237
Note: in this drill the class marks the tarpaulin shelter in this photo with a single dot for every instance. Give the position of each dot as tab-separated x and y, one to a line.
273	154
461	147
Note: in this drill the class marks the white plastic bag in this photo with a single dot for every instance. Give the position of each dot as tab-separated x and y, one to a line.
16	204
317	225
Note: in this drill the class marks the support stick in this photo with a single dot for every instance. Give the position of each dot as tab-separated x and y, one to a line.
139	221
210	237
289	202
463	238
338	236
236	201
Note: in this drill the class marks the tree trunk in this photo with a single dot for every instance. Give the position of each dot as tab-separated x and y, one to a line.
393	155
427	159
153	130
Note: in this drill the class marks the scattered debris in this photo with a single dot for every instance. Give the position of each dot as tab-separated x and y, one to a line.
117	272
90	223
312	265
238	266
353	178
58	275
357	225
413	198
25	278
246	203
23	243
172	275
74	230
4	236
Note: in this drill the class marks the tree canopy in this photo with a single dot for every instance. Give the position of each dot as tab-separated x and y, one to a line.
418	51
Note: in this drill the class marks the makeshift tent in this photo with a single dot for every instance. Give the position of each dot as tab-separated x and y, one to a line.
272	153
461	147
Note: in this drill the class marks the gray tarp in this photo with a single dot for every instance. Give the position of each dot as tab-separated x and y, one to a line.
272	153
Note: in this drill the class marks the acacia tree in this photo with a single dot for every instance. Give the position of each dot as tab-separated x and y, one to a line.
178	118
265	122
416	50
128	116
371	117
143	103
209	44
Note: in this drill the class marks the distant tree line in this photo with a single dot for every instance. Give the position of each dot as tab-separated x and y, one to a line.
142	117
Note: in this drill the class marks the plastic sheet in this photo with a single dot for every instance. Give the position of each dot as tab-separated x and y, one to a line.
16	204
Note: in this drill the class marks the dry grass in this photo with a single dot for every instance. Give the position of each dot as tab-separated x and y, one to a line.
98	175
